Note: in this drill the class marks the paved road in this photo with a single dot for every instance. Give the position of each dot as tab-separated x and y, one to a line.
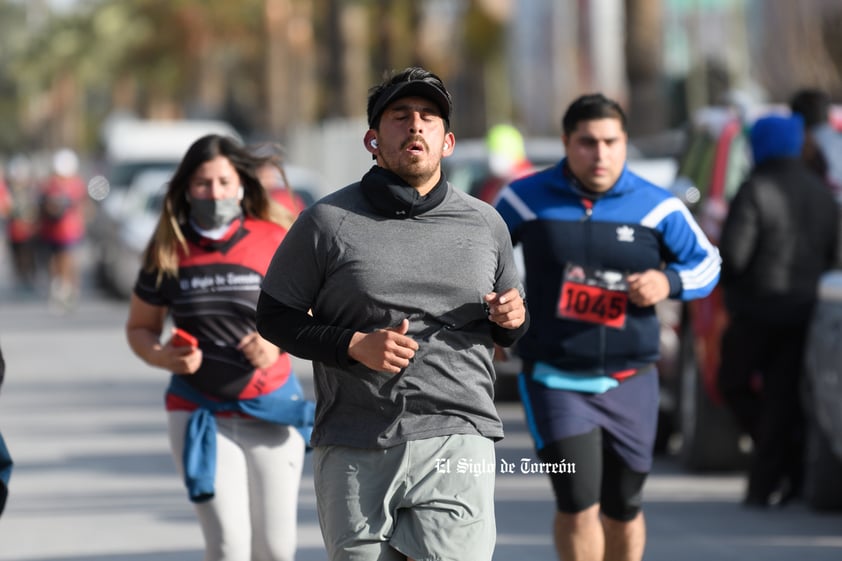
94	480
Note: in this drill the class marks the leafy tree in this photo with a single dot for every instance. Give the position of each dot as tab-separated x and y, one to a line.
12	35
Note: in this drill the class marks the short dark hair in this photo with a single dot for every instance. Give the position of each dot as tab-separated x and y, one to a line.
412	81
812	104
590	107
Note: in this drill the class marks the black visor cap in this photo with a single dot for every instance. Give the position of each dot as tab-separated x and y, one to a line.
412	88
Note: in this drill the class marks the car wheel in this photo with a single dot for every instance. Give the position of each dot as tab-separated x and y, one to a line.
821	393
710	439
101	269
822	488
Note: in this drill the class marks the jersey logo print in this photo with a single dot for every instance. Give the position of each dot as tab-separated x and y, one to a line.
625	234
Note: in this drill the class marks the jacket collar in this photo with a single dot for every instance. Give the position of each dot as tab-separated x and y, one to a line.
572	182
393	197
234	234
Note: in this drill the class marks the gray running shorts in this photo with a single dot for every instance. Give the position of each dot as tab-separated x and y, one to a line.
429	500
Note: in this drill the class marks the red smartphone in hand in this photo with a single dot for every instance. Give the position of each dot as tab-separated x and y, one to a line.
181	338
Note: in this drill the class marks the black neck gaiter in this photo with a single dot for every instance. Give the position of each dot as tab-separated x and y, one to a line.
393	197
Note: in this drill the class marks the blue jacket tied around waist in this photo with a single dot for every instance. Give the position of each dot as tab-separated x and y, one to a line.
284	406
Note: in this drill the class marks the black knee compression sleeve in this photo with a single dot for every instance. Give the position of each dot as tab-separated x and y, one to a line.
579	486
622	489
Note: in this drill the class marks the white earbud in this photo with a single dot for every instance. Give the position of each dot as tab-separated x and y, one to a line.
373	143
446	145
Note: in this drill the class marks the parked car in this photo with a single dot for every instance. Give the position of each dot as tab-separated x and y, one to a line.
716	160
822	399
307	186
134	145
125	223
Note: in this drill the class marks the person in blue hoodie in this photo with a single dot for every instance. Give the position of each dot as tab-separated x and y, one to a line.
780	235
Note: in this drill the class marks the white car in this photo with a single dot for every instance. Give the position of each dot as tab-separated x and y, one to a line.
135	145
125	223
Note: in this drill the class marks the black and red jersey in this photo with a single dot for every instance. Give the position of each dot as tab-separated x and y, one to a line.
214	298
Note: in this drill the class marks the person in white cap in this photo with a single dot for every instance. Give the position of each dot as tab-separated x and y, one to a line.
62	226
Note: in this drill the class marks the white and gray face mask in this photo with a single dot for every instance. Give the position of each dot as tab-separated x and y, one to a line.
210	214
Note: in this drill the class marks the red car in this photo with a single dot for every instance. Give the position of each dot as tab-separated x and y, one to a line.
711	169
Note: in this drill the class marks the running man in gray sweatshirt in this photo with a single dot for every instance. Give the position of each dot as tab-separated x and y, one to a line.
397	287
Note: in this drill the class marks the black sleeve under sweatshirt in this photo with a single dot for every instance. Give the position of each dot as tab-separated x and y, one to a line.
508	337
299	334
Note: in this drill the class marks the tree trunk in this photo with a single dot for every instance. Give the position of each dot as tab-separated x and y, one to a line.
648	109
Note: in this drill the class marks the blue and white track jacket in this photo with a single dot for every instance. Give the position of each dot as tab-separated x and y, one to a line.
633	227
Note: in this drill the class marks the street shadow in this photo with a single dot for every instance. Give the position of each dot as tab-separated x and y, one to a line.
186	555
302	554
777	534
82	395
127	465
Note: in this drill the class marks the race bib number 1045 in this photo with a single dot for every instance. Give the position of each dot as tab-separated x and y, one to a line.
596	296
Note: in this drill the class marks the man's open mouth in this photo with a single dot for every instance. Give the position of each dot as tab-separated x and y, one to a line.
416	147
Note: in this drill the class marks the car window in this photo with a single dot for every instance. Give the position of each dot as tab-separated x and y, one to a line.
121	175
155	202
467	169
146	193
467	176
697	162
739	165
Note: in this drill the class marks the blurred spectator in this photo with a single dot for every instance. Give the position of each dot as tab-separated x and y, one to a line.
62	203
780	235
506	160
271	175
21	213
822	143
